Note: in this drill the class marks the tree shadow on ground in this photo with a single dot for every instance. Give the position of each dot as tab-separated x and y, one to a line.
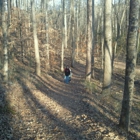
69	131
71	97
5	115
72	101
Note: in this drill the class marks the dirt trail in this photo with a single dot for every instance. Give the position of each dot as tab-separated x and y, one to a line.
49	109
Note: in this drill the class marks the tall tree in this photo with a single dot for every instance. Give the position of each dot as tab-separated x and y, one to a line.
89	40
107	48
37	56
92	63
20	32
102	35
63	36
9	12
65	23
131	50
47	36
5	45
72	34
77	25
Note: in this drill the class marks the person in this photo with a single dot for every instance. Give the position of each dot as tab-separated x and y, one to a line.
67	77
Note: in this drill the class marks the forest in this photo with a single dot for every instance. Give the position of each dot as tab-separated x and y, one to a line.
98	40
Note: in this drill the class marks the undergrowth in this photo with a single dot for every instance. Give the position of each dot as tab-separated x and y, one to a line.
90	86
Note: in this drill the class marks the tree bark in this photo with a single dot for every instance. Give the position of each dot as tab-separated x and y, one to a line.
89	40
72	34
65	24
102	38
5	45
107	48
47	36
9	12
77	27
63	37
37	56
131	50
92	63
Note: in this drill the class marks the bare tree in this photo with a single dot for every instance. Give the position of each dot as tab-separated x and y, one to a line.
89	40
92	63
102	36
65	23
131	50
37	56
9	12
63	37
77	25
72	34
107	48
5	45
47	36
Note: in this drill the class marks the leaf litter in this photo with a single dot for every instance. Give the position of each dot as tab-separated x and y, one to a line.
48	109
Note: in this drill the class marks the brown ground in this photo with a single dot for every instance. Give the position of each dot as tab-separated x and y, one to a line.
48	109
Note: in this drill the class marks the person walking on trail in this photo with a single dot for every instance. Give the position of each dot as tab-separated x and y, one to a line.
67	77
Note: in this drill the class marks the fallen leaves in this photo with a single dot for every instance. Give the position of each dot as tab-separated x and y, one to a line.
48	109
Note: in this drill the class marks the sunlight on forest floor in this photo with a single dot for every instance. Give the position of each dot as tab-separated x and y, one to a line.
47	108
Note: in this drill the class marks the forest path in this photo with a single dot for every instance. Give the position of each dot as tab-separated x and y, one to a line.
49	109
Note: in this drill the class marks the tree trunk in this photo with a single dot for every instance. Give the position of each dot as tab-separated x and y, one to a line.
77	26
89	40
20	35
69	27
9	12
92	65
37	56
47	37
107	49
102	39
72	34
65	24
5	45
131	49
63	37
